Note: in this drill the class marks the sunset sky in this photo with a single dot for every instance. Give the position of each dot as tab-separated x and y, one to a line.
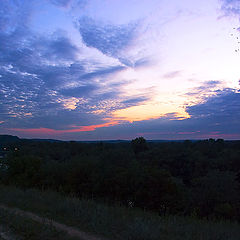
119	69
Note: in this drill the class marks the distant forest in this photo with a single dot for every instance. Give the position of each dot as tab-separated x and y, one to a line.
197	178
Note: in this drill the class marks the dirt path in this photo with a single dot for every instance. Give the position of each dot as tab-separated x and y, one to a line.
5	234
62	227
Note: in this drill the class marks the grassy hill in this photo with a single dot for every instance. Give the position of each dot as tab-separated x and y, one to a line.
116	222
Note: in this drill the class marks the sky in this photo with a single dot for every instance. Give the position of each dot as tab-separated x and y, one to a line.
120	69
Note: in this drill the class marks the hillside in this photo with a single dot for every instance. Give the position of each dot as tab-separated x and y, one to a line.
6	139
113	222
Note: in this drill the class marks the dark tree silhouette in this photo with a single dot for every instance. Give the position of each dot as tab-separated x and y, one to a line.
139	145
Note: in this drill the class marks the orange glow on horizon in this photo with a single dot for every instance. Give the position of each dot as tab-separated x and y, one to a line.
50	131
150	111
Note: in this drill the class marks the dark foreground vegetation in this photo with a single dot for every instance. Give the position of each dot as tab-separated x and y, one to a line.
22	228
190	178
112	222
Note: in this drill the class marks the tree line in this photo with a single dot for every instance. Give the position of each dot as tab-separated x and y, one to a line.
200	178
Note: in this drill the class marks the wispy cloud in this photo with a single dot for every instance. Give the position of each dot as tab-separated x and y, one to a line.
202	93
109	39
74	129
171	75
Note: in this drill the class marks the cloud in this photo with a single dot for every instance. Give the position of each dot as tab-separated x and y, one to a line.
103	71
135	101
173	74
79	91
224	106
67	3
74	129
109	39
61	3
116	41
14	14
48	83
60	48
231	6
45	84
217	117
28	80
203	92
209	86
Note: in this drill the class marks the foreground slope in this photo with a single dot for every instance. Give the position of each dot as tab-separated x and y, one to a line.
116	222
